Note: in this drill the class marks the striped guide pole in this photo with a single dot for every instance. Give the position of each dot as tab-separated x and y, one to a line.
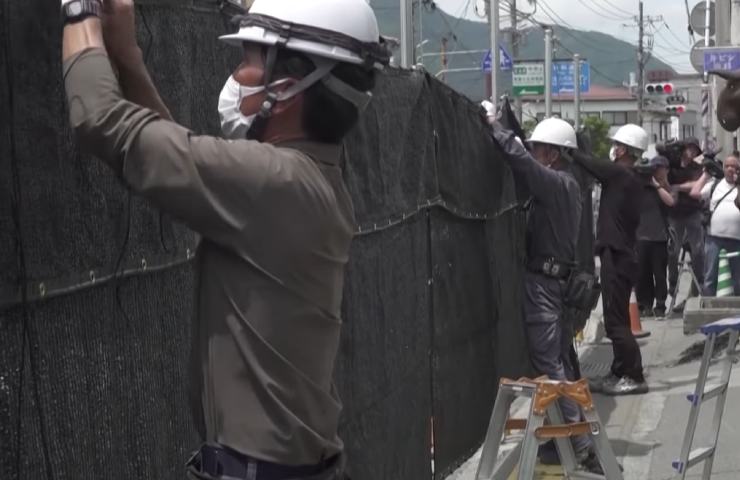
724	275
705	117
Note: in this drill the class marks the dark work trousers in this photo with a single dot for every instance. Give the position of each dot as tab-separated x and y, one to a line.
618	270
549	347
652	260
689	233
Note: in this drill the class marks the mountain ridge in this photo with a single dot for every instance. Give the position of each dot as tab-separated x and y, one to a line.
611	59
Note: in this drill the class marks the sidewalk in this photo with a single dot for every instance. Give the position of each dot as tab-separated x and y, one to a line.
646	431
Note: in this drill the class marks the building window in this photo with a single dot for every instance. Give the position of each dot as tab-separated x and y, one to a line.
688	131
591	115
631	117
615	119
665	131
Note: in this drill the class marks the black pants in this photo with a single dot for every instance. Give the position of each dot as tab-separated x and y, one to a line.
652	260
617	279
689	235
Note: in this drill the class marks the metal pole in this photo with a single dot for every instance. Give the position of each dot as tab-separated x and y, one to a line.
420	12
706	121
548	72
493	14
577	93
640	68
515	53
407	33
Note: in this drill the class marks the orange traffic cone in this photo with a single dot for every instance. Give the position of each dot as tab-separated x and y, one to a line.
635	324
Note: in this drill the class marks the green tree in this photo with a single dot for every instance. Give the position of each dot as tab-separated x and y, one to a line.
528	126
598	130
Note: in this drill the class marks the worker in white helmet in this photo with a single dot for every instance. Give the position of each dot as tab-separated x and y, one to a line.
616	238
552	234
269	201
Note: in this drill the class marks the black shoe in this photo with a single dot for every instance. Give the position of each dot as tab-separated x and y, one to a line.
597	384
626	386
660	312
589	462
680	307
646	313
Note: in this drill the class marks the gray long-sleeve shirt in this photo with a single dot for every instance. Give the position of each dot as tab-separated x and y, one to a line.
277	222
553	226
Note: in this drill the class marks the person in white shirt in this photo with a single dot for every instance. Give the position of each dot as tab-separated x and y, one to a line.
724	222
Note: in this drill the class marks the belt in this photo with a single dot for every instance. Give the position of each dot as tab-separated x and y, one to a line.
217	461
549	267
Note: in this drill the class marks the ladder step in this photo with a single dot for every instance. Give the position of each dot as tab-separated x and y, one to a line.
696	456
564	431
709	392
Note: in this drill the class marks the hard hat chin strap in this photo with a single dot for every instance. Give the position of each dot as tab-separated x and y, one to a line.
322	73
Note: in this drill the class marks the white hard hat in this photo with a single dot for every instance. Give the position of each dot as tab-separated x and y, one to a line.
340	30
554	131
633	136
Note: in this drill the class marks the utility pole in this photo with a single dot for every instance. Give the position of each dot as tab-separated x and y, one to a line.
493	19
407	33
420	12
548	72
577	92
640	67
514	43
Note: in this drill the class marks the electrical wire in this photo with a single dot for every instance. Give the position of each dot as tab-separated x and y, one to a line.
611	14
619	9
596	12
28	336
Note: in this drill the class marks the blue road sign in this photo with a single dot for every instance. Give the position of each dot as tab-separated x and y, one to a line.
563	72
720	58
506	62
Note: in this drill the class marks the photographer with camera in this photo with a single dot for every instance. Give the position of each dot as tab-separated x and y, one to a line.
718	188
685	218
653	236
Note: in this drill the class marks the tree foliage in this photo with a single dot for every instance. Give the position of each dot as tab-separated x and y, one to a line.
599	131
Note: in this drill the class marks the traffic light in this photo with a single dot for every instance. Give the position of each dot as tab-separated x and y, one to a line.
662	88
675	99
675	109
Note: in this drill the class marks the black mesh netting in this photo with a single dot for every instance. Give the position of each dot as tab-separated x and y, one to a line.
93	365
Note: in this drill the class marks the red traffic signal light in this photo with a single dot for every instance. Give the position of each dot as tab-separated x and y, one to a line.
659	88
675	109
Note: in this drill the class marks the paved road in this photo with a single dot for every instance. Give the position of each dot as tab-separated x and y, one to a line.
646	431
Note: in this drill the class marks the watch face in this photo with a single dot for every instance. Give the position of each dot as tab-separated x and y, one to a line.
75	8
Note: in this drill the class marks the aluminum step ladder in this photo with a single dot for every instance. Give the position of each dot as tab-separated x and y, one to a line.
704	392
684	265
544	394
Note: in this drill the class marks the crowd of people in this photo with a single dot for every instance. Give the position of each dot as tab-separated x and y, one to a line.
687	214
652	208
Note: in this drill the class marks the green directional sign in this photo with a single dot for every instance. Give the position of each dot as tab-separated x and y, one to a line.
529	78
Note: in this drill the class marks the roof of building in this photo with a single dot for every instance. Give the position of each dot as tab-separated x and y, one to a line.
596	93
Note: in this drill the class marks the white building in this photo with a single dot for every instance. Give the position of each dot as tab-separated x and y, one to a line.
618	106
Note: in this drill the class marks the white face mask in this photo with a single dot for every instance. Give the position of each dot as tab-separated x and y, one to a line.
234	124
613	153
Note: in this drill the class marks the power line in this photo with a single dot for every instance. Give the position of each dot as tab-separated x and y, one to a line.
670	30
611	14
620	9
582	2
554	17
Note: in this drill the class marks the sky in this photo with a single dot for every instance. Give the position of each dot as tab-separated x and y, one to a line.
671	38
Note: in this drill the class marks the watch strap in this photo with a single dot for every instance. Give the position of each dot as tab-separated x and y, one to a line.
77	10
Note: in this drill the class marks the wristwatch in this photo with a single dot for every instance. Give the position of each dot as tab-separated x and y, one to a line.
75	11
